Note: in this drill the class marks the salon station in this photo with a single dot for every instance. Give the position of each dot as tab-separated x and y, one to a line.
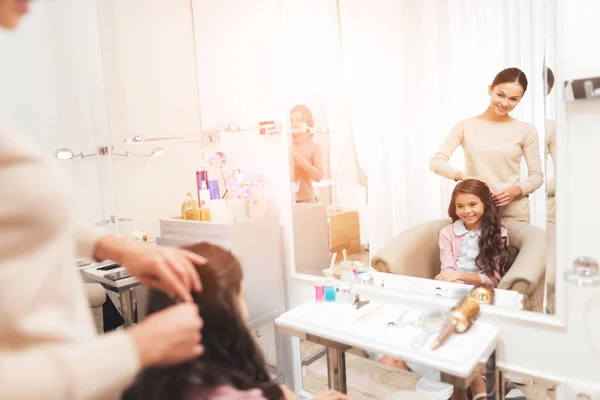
410	187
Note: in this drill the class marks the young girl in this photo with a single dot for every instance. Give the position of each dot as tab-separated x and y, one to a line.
232	366
475	248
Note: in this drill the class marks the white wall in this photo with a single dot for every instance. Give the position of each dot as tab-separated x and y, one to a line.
51	88
148	58
150	50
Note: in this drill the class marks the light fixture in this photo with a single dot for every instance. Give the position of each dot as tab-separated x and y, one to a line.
307	129
64	153
153	153
141	139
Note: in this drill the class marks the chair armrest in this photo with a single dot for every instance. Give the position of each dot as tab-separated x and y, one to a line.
414	252
96	294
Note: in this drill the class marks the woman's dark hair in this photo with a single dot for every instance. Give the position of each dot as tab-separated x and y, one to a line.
549	80
307	116
231	357
511	75
493	248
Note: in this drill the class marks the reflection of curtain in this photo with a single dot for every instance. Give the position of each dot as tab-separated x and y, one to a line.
413	69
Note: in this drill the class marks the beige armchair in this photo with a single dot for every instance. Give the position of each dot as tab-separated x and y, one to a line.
416	252
96	294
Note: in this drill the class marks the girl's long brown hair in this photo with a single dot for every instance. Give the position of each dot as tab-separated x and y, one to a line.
231	356
493	248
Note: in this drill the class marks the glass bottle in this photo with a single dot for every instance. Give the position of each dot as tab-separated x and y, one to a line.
189	208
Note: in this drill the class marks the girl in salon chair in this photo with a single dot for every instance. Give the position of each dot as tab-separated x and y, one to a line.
232	366
474	249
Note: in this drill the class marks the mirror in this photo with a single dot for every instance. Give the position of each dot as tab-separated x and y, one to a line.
418	101
329	188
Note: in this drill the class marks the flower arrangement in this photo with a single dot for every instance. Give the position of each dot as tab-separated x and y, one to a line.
241	183
245	185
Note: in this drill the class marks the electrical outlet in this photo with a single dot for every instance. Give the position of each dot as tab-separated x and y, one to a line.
583	391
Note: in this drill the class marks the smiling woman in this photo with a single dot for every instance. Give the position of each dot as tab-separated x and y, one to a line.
494	144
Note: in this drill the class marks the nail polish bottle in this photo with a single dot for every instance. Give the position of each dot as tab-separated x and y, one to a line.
320	290
329	290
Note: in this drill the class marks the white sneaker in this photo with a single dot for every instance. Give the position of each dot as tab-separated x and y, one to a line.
433	390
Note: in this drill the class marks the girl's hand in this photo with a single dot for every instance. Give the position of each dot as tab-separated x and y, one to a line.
452	276
505	196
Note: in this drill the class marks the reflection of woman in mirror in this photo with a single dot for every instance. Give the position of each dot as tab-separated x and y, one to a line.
494	144
550	150
474	249
306	154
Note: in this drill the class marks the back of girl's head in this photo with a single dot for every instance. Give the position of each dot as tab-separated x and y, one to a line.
231	356
476	188
511	75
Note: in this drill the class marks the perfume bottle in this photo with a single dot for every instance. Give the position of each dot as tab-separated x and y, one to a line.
189	208
204	195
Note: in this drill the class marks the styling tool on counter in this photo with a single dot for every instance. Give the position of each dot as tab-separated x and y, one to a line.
359	303
415	323
459	320
432	322
398	321
482	294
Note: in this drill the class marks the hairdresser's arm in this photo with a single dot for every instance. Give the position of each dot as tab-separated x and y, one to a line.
168	269
531	152
314	167
88	369
439	162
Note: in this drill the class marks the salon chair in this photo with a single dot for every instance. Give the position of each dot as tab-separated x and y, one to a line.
416	253
96	294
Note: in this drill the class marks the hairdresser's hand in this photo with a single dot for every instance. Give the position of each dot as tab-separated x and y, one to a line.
331	395
168	337
168	269
505	196
451	276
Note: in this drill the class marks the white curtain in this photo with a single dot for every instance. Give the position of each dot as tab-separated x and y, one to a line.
415	68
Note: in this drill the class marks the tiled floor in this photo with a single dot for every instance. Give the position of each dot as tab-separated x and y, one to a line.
370	380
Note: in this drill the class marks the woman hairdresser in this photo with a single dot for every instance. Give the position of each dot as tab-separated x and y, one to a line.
494	144
48	346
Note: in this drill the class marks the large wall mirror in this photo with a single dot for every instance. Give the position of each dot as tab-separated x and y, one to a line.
423	145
